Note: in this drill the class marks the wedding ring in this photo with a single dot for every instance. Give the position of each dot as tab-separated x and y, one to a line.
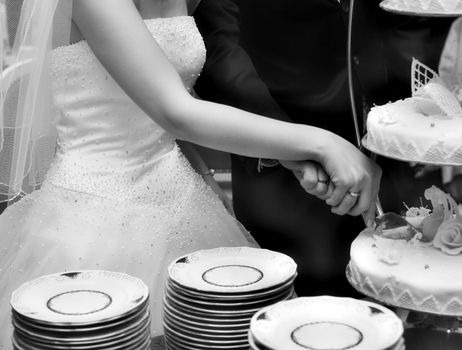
326	182
354	194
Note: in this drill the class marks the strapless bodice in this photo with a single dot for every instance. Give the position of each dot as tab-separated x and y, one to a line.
102	134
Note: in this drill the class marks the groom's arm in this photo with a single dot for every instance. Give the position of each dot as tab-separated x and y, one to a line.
229	76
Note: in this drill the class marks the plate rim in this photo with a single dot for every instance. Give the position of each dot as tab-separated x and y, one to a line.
41	318
326	298
204	287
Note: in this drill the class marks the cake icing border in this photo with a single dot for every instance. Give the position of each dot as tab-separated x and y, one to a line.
390	294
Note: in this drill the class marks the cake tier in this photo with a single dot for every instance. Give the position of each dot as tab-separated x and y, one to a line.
398	130
404	274
424	7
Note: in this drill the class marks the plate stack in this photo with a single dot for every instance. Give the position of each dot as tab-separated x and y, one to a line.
81	310
326	323
211	295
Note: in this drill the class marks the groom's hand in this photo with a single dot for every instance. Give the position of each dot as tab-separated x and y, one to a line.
312	178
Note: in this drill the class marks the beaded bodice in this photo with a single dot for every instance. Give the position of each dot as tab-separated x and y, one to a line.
104	138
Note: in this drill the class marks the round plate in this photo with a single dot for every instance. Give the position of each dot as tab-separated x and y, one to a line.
387	6
79	297
88	338
140	342
102	327
181	337
210	320
204	327
232	270
403	159
238	305
326	323
176	344
233	297
200	311
200	334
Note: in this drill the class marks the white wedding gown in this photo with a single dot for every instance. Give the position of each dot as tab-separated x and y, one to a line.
120	195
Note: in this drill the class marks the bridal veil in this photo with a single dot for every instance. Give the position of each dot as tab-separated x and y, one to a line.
27	133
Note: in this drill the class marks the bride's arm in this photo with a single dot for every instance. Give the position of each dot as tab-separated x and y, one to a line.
123	44
121	41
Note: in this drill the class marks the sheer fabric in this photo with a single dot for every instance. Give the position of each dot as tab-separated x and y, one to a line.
27	134
27	131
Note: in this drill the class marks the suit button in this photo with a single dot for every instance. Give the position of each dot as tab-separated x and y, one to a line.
356	60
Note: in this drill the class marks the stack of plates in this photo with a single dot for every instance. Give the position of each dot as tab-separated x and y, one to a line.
326	323
211	295
81	310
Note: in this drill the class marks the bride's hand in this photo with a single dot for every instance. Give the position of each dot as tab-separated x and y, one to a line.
356	179
312	177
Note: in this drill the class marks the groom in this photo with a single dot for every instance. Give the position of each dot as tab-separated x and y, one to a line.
286	59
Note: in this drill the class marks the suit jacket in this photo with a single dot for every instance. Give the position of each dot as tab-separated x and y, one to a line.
287	59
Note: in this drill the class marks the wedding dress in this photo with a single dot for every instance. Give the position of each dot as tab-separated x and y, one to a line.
119	195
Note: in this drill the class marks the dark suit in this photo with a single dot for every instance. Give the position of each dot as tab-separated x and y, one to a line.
286	59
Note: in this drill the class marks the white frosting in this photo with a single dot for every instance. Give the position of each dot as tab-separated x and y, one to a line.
436	99
418	276
424	6
400	130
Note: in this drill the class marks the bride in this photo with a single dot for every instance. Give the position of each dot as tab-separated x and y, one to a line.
117	193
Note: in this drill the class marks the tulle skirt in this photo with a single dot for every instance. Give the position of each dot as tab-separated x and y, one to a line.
57	229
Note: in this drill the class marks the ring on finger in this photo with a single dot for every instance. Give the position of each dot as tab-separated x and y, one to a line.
354	194
325	182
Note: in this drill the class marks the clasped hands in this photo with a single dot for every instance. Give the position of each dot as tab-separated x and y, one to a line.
346	194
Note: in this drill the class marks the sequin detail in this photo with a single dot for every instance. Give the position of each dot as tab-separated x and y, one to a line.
107	145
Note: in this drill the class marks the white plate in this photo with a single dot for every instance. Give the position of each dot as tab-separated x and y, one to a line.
79	297
427	13
200	334
232	270
205	312
233	297
217	322
205	328
181	337
139	343
136	337
88	338
326	323
102	327
175	344
238	305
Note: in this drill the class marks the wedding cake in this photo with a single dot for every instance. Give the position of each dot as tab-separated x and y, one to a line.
423	128
413	263
423	6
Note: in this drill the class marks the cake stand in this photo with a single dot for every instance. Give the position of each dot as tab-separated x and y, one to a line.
413	319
